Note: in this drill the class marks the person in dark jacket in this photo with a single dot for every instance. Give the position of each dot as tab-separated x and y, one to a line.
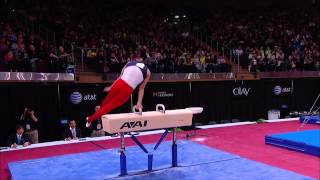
19	138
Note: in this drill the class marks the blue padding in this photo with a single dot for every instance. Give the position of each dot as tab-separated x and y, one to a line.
236	169
161	139
105	164
315	119
139	144
305	141
195	161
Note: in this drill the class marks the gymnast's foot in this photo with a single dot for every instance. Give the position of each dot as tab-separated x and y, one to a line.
88	124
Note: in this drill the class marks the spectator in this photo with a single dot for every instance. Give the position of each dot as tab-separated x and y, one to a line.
33	58
61	60
72	132
9	60
30	123
19	138
97	129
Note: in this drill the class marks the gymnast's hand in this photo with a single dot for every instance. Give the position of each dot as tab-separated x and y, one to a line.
107	89
138	106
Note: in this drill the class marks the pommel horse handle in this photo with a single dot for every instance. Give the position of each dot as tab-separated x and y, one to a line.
163	109
195	110
134	110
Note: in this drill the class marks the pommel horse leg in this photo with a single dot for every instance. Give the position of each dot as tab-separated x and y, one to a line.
150	154
174	149
138	121
123	158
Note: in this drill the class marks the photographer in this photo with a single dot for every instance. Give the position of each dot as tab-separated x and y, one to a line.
30	124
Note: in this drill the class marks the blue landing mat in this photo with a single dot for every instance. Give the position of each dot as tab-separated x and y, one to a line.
304	141
315	119
236	169
196	162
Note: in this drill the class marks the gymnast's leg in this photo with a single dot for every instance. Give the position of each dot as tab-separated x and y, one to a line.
118	95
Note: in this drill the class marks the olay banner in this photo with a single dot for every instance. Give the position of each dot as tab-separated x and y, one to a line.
242	89
243	100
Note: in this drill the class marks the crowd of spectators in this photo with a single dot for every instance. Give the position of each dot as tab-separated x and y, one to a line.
274	41
106	41
26	52
109	40
105	36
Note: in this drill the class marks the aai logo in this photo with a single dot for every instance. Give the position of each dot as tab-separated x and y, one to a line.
75	97
134	124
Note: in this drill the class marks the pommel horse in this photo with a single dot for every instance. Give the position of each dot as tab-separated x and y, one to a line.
150	120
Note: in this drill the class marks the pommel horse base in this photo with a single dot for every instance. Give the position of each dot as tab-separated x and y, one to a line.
150	120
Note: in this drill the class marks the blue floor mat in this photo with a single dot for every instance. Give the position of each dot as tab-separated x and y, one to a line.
236	169
307	141
196	161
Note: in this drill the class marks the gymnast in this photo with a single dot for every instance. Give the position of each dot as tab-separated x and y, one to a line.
133	74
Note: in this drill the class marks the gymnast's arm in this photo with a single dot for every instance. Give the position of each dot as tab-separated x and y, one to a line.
141	90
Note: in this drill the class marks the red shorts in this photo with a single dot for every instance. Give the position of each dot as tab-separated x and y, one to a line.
119	94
